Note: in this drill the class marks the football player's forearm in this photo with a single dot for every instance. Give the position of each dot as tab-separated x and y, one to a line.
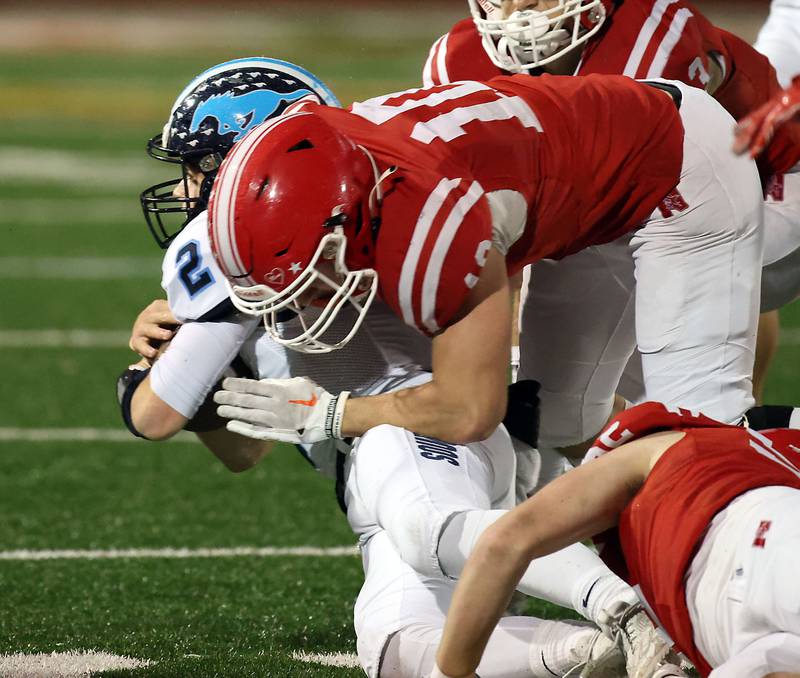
152	417
479	601
581	503
428	410
236	452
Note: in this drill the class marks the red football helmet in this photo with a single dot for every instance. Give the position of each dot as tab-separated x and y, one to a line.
294	208
528	38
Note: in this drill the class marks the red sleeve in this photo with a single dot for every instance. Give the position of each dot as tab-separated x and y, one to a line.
644	419
649	39
458	55
750	82
432	246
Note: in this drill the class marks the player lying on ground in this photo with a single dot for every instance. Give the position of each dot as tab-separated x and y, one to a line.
640	39
411	500
707	528
433	197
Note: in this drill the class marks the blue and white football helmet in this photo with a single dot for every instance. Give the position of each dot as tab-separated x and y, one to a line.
210	115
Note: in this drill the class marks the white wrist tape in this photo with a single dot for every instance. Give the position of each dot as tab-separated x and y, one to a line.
335	415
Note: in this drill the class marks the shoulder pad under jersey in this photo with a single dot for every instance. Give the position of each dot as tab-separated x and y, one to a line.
645	419
195	286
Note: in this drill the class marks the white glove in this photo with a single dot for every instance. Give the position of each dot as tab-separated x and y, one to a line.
289	410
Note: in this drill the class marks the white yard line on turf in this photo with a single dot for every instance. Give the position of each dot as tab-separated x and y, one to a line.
180	553
77	168
344	659
64	338
80	268
65	664
56	212
85	338
79	435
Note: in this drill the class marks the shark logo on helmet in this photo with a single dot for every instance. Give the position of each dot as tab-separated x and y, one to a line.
240	113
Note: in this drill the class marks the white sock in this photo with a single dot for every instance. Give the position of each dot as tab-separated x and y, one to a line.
411	652
459	536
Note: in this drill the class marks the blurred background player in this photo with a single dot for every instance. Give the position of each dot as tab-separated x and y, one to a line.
394	485
779	39
706	528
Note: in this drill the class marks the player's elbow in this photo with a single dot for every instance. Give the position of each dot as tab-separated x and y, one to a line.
237	453
153	418
480	419
155	430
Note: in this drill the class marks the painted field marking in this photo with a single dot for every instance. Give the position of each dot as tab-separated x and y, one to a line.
86	338
64	338
65	664
78	168
180	553
80	268
55	212
342	659
80	435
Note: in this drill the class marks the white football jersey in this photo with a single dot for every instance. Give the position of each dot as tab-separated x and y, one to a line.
195	286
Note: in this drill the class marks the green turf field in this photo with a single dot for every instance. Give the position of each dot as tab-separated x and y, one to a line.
76	256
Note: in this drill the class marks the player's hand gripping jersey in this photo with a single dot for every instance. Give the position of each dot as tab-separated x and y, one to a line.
682	494
519	164
644	39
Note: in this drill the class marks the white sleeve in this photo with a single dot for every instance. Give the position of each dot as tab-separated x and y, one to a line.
197	357
194	284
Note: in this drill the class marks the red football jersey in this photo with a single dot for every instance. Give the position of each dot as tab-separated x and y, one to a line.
662	527
647	39
534	139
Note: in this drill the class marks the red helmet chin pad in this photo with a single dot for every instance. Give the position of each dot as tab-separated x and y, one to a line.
277	195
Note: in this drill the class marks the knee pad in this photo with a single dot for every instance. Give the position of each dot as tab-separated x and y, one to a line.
411	652
415	534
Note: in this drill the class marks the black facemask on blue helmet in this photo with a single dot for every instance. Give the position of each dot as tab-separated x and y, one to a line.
212	113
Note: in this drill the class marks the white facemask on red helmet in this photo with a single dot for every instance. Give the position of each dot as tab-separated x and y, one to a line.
292	216
529	38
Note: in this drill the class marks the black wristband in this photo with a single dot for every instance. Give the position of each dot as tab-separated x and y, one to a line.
522	414
769	416
127	383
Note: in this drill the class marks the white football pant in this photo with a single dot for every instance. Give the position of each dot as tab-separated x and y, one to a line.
433	500
684	288
400	615
743	586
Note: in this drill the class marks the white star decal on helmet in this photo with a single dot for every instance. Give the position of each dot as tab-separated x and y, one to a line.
295	267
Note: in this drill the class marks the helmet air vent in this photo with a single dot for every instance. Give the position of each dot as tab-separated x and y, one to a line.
303	145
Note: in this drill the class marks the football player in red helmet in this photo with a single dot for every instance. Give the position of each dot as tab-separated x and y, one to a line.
437	195
649	39
705	518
